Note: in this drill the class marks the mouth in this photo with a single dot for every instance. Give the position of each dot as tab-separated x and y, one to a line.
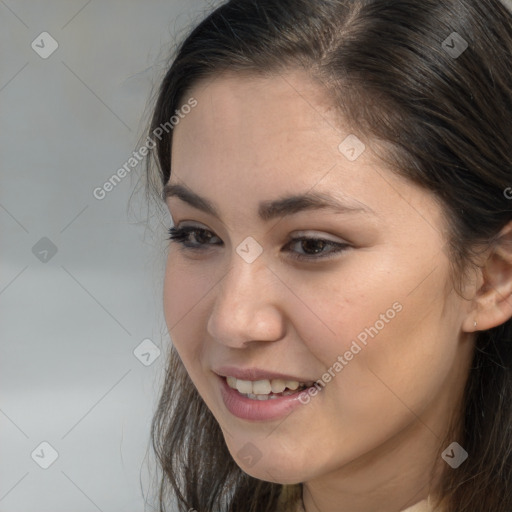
265	399
258	395
266	389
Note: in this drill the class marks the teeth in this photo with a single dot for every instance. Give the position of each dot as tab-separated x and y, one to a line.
261	397
261	389
278	385
292	384
244	386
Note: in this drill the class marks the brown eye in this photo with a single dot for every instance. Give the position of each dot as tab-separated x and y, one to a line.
313	248
183	235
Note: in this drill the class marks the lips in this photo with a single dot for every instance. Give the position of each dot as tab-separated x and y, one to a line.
255	374
251	409
260	402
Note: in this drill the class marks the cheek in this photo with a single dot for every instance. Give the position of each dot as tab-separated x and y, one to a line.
343	311
185	295
377	326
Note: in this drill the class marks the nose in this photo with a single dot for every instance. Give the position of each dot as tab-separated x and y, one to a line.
247	305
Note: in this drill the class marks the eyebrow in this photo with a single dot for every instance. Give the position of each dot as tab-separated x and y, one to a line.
269	210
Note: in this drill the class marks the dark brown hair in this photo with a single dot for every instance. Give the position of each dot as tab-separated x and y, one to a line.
446	121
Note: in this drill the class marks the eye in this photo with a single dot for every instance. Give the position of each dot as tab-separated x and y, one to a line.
182	236
313	248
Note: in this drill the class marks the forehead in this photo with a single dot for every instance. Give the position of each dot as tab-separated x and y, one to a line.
254	138
282	128
245	104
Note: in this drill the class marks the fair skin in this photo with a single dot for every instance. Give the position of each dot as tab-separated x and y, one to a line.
369	440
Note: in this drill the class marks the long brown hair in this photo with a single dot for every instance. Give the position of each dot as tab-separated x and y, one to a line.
446	120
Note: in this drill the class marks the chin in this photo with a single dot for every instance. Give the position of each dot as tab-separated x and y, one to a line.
277	475
271	466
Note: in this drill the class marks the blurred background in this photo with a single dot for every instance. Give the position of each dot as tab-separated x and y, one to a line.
82	334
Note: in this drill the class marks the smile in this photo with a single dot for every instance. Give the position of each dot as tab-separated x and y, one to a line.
266	389
264	404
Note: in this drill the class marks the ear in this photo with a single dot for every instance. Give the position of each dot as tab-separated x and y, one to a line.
492	303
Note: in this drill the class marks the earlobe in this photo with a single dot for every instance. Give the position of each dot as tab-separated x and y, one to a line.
492	304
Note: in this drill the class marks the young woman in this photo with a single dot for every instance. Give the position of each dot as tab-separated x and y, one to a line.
338	287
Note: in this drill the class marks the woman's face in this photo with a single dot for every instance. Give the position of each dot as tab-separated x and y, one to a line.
374	320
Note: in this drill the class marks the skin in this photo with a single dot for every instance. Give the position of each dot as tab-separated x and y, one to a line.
369	440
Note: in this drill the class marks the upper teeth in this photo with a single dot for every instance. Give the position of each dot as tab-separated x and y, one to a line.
263	387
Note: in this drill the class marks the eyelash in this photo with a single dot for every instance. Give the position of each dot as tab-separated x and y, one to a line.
180	235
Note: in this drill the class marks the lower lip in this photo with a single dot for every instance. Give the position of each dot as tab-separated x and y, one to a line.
258	410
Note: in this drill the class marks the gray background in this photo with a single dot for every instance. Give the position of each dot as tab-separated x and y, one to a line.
70	321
